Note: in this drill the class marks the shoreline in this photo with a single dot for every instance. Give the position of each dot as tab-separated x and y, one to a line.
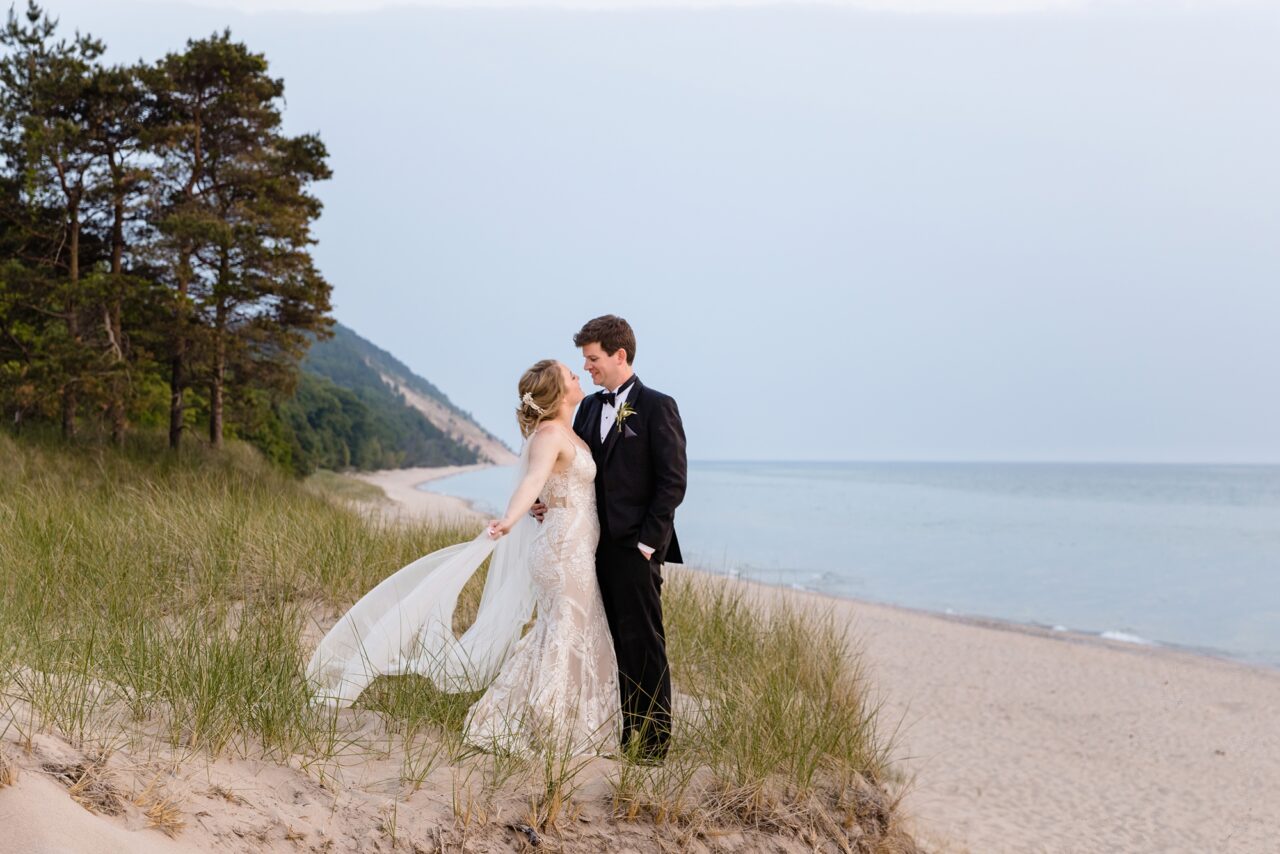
1021	738
1143	646
1064	634
401	486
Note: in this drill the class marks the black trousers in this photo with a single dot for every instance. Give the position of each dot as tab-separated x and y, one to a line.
631	587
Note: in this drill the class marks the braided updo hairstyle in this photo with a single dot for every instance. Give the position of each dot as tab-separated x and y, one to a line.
541	389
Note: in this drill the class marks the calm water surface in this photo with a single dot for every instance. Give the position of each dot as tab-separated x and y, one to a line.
1187	555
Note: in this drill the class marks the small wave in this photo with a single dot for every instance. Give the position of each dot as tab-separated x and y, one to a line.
1126	637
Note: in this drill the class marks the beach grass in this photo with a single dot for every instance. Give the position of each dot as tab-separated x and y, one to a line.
171	600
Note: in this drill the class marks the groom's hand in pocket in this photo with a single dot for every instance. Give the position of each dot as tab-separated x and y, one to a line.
538	510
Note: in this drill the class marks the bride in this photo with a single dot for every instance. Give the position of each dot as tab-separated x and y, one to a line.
555	687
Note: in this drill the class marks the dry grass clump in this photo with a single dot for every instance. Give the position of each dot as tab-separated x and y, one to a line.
8	771
163	810
165	816
217	791
180	597
89	784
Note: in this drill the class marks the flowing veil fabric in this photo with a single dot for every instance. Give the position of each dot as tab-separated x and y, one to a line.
405	624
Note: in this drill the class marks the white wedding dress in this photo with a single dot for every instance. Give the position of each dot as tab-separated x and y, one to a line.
560	687
555	688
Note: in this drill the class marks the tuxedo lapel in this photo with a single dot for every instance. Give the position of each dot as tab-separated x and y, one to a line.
610	439
595	406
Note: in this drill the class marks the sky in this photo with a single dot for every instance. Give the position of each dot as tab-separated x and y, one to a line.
863	230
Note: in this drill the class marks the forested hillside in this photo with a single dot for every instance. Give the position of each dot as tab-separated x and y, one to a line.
361	366
346	414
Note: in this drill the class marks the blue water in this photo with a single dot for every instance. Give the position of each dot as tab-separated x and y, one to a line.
1186	555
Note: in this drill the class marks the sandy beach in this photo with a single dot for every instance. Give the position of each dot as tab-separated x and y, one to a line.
1022	740
401	487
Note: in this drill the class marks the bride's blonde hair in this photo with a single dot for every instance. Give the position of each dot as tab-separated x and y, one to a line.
541	390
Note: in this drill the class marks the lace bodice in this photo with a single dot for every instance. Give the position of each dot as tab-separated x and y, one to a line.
575	486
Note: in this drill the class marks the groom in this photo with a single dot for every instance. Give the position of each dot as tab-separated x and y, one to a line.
637	440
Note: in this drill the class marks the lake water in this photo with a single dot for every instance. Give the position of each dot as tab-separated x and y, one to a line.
1185	555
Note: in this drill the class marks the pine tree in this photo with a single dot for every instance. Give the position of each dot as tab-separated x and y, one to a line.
237	224
45	109
120	113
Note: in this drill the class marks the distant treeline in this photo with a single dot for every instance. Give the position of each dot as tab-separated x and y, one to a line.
155	240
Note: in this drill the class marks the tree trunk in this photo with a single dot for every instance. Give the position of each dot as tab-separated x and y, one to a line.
177	383
178	367
218	377
178	362
69	401
115	327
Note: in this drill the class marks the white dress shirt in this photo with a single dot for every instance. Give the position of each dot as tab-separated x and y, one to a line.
609	412
609	417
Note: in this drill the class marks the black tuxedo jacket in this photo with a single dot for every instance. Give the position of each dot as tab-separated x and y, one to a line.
641	470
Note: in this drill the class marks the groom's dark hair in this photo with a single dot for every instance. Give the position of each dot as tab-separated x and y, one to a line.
611	332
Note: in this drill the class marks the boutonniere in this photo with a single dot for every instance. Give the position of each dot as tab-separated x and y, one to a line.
625	411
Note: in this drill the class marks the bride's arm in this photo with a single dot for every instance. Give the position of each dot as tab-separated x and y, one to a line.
544	450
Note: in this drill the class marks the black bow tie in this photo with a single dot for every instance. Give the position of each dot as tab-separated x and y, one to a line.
611	397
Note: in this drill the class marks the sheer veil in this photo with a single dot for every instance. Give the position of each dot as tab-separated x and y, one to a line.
405	624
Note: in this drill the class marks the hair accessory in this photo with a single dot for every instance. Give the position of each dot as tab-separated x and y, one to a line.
527	400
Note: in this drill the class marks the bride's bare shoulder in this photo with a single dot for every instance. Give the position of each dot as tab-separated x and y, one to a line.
551	434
